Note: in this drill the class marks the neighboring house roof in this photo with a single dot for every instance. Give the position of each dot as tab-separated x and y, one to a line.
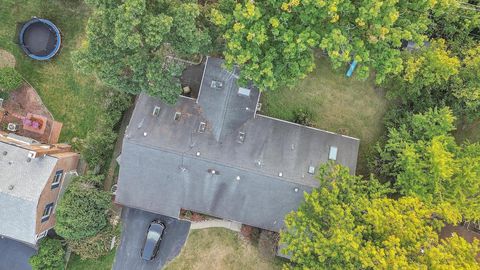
21	183
244	167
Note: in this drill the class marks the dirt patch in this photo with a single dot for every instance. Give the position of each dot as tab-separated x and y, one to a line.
6	59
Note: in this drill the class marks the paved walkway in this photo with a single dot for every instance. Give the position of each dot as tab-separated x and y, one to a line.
216	223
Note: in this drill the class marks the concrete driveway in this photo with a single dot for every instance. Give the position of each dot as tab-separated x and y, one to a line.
14	255
135	225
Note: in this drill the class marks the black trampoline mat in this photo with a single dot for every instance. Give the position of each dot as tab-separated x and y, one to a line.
39	39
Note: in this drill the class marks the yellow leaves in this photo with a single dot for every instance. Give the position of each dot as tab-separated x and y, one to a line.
383	32
335	18
441	159
238	26
287	6
274	22
359	22
250	36
320	3
393	16
249	10
218	18
412	67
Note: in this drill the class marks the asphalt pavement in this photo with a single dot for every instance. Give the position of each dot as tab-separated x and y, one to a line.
134	229
14	255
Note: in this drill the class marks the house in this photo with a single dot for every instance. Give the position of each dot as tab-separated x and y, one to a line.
217	156
32	178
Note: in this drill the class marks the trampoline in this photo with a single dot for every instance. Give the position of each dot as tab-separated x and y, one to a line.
40	39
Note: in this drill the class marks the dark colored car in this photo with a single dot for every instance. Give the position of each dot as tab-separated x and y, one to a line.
152	241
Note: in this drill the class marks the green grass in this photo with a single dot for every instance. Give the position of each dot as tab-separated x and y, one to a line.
218	249
102	263
71	97
347	106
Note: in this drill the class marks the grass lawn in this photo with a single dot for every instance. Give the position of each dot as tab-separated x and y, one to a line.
218	248
102	263
72	98
338	104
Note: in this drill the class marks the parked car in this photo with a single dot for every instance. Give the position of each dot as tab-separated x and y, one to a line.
152	240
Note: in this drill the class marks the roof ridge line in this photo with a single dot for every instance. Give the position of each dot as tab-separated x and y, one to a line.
182	154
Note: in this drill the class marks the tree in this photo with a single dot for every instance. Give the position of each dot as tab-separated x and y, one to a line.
130	44
273	41
83	210
422	158
348	223
50	255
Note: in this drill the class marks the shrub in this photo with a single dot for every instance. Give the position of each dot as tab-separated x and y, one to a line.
50	256
97	146
303	117
10	79
95	246
83	210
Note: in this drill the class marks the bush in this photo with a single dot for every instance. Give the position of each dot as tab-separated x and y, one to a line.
83	210
50	256
96	148
95	246
10	79
303	117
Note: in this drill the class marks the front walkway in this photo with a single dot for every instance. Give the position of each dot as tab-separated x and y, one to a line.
216	223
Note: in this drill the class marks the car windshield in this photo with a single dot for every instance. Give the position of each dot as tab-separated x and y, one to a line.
153	235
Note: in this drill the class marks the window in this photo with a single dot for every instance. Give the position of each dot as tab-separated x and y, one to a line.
57	179
47	211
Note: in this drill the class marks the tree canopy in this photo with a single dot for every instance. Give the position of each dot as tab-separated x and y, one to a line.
422	158
349	223
82	211
130	44
273	41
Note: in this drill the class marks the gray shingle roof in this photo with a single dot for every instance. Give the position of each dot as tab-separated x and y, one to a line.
168	164
21	183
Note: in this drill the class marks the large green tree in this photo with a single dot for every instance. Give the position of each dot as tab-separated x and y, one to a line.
422	158
83	210
273	41
348	223
130	44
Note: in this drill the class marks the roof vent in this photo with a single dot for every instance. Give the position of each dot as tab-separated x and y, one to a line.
156	111
5	153
296	189
237	178
29	160
332	155
145	134
212	171
10	187
197	154
241	137
311	169
280	174
32	154
202	127
177	115
244	91
216	84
